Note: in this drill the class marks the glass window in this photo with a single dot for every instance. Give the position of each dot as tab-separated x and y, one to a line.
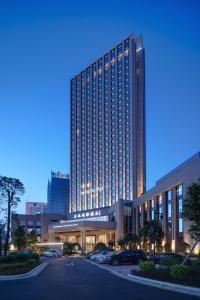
179	199
152	210
169	213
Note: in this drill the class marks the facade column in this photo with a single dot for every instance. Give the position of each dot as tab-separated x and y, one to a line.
110	236
148	211
83	241
142	216
136	220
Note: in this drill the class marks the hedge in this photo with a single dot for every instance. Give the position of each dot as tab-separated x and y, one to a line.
16	257
18	267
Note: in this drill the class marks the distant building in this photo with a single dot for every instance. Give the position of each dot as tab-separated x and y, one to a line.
58	193
39	223
35	208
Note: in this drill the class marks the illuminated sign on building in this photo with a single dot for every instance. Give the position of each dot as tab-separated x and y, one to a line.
88	214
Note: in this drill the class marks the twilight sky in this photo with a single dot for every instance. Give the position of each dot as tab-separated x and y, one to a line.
44	43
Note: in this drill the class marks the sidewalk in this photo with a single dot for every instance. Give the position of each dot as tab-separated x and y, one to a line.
124	271
121	269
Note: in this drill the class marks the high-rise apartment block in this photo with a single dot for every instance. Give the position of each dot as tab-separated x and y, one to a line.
58	193
108	128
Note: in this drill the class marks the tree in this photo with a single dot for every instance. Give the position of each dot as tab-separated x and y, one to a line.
111	244
152	232
122	243
10	191
32	239
131	240
20	238
67	247
2	235
100	247
191	213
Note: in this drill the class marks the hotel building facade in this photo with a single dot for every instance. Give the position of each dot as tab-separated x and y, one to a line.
108	129
162	203
108	195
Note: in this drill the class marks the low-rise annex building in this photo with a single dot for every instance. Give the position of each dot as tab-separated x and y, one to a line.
164	203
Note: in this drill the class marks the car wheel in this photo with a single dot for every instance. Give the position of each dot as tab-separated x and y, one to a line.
115	262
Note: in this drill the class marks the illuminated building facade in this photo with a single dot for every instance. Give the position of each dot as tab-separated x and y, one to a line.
58	193
108	129
164	203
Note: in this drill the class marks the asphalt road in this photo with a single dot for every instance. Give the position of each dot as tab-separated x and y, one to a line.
75	279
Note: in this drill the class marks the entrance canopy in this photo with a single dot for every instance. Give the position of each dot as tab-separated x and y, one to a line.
69	226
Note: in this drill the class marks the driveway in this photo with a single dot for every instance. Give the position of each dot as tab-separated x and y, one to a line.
75	279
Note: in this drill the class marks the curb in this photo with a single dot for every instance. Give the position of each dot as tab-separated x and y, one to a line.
184	289
192	291
30	274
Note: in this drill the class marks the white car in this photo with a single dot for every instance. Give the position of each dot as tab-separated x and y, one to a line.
96	257
102	257
52	253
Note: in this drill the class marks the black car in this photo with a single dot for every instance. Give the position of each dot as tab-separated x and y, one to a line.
126	256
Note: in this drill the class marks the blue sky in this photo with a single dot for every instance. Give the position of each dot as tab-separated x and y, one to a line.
44	43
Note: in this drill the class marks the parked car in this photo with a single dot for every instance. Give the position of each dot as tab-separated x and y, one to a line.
126	256
100	254
52	253
102	257
90	254
94	256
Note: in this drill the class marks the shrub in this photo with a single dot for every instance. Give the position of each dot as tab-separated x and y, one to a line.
147	266
34	256
18	267
76	247
179	271
100	247
195	267
18	257
170	261
67	248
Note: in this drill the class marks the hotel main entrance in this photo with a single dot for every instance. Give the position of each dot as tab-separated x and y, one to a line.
86	233
90	242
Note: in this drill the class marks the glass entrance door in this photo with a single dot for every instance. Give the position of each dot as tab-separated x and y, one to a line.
90	242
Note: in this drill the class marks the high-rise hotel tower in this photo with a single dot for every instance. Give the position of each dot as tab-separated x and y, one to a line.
108	128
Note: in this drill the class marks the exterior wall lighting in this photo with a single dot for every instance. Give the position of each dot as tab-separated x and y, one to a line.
173	245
